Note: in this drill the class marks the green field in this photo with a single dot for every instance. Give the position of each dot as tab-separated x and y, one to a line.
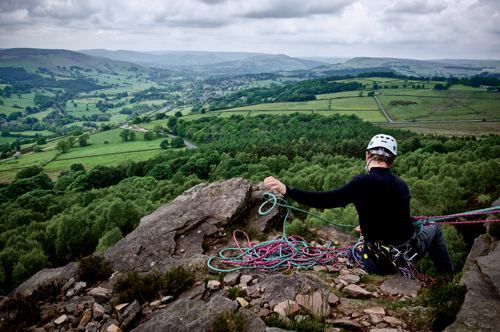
435	105
98	153
449	129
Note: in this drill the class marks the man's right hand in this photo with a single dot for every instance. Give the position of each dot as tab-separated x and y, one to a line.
274	184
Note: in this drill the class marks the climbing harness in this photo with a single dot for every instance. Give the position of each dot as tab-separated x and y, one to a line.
284	252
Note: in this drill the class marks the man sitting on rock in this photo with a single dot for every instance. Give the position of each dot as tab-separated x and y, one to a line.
382	201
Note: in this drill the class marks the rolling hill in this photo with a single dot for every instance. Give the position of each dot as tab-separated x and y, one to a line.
32	58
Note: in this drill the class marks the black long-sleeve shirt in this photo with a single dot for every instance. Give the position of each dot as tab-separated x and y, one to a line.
381	199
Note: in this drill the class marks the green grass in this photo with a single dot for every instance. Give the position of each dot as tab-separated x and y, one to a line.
370	116
9	167
449	129
340	95
23	102
113	153
55	167
354	104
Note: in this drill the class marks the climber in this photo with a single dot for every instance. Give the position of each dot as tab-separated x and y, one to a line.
382	201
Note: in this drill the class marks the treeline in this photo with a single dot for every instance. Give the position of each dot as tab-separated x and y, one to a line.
301	91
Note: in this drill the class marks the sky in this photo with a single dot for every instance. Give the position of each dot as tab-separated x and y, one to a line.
413	29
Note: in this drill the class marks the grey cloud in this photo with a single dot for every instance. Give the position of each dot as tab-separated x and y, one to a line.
76	9
212	2
495	4
13	5
296	8
421	7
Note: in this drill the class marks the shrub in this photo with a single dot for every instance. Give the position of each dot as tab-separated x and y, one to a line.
234	292
28	172
145	288
229	322
444	298
178	280
132	287
94	268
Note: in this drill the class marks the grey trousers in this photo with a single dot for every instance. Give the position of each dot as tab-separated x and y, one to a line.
431	240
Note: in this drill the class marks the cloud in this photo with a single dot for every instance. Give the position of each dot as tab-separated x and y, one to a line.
212	2
417	7
396	28
265	9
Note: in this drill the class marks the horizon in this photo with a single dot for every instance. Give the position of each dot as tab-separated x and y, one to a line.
263	53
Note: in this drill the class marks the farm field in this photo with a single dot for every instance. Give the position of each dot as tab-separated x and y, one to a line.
435	105
476	129
99	153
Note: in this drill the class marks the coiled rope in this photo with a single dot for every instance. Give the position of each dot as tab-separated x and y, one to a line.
280	253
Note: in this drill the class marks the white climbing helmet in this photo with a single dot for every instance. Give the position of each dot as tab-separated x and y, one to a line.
383	141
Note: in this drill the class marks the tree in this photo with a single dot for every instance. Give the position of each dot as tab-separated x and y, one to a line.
131	135
41	141
28	172
171	122
157	129
148	135
160	116
177	142
63	145
178	114
164	144
83	140
71	141
125	134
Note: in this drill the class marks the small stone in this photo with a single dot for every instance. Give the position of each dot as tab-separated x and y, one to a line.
87	316
155	304
375	311
356	291
264	312
166	299
333	299
213	285
245	279
79	288
381	325
100	294
120	307
319	268
348	323
375	319
61	320
97	311
114	328
350	278
393	320
68	285
242	302
286	308
332	269
232	278
183	251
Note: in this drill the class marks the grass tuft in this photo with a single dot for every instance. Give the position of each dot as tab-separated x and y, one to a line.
229	322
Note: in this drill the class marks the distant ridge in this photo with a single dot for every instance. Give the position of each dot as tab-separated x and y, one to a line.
32	58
